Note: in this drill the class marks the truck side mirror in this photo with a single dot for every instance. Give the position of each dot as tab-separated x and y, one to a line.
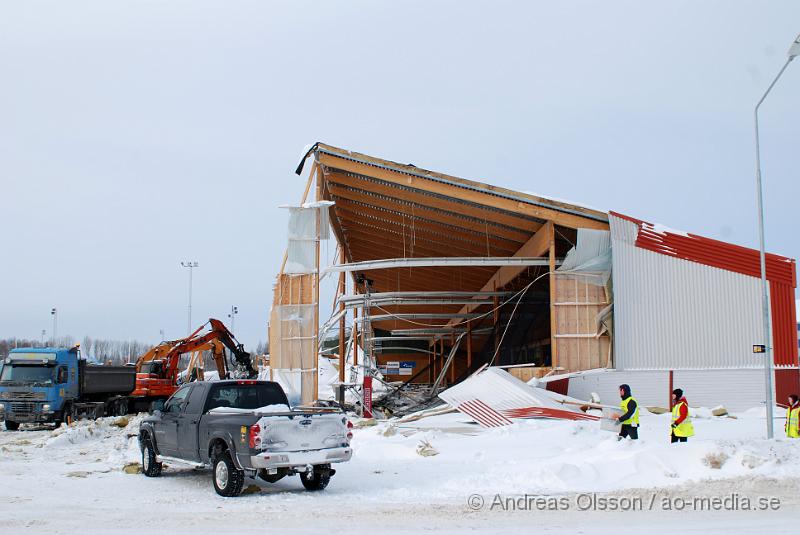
63	375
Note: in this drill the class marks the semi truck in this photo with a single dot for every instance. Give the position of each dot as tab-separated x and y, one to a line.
53	385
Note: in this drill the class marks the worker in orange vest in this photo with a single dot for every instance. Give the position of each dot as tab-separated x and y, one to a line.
682	427
793	417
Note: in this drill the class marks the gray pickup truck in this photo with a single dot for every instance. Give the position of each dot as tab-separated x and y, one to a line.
244	428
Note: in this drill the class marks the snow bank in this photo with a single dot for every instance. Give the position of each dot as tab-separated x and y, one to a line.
278	407
551	456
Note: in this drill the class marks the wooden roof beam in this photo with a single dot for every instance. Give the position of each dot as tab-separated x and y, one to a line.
538	245
404	221
478	197
420	234
452	204
422	247
417	211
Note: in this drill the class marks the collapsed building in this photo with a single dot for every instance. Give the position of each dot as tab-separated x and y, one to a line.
439	276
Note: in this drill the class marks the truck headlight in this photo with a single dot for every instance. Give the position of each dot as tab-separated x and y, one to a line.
46	407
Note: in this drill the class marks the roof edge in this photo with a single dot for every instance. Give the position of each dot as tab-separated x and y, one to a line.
482	187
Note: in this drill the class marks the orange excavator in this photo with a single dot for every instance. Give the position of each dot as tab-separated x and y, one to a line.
157	373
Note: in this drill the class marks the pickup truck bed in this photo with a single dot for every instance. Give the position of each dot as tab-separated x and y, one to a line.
244	428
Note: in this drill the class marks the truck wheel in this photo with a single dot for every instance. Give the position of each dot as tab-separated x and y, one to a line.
150	466
318	478
228	480
11	426
72	414
121	407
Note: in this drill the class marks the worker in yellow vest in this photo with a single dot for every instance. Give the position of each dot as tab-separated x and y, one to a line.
630	414
682	427
793	417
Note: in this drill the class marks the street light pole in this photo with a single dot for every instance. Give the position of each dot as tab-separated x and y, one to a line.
232	316
794	50
54	313
191	264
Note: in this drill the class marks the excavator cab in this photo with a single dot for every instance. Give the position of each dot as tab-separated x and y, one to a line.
154	367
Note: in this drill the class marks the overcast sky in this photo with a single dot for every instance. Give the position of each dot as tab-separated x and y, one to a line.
134	135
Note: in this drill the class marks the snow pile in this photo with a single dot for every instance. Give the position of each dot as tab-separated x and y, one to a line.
278	407
550	456
100	441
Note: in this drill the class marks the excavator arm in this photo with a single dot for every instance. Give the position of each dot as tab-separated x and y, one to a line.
240	356
168	354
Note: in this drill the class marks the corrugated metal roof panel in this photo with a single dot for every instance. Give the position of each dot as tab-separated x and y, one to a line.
494	395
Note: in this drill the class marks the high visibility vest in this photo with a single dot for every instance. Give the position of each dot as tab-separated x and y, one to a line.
634	419
792	419
685	428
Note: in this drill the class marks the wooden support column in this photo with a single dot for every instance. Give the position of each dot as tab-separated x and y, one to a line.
442	359
315	362
433	348
469	345
341	329
453	368
553	323
495	321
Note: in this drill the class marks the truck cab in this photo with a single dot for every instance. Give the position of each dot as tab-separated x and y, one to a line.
35	383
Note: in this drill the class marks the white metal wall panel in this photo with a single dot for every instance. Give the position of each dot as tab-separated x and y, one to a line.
671	313
648	387
736	389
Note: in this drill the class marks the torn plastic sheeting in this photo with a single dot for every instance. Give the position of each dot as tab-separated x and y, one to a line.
590	258
591	253
493	397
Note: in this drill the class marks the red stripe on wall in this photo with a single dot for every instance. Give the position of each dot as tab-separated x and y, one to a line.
784	326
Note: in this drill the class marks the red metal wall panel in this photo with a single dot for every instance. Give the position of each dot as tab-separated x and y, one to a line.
559	386
781	273
784	326
786	382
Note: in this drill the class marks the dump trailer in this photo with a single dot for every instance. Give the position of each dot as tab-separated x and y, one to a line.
52	385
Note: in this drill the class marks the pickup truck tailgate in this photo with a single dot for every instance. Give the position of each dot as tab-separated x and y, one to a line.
303	431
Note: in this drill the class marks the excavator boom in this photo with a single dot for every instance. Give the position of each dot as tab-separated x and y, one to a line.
157	374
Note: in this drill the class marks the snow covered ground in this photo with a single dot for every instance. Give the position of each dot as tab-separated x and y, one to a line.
71	481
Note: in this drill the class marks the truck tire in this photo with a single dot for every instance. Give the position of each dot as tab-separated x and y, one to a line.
11	426
318	478
228	480
150	466
121	407
70	414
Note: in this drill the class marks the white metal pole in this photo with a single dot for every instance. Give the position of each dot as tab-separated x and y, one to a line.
763	258
54	313
189	328
191	265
